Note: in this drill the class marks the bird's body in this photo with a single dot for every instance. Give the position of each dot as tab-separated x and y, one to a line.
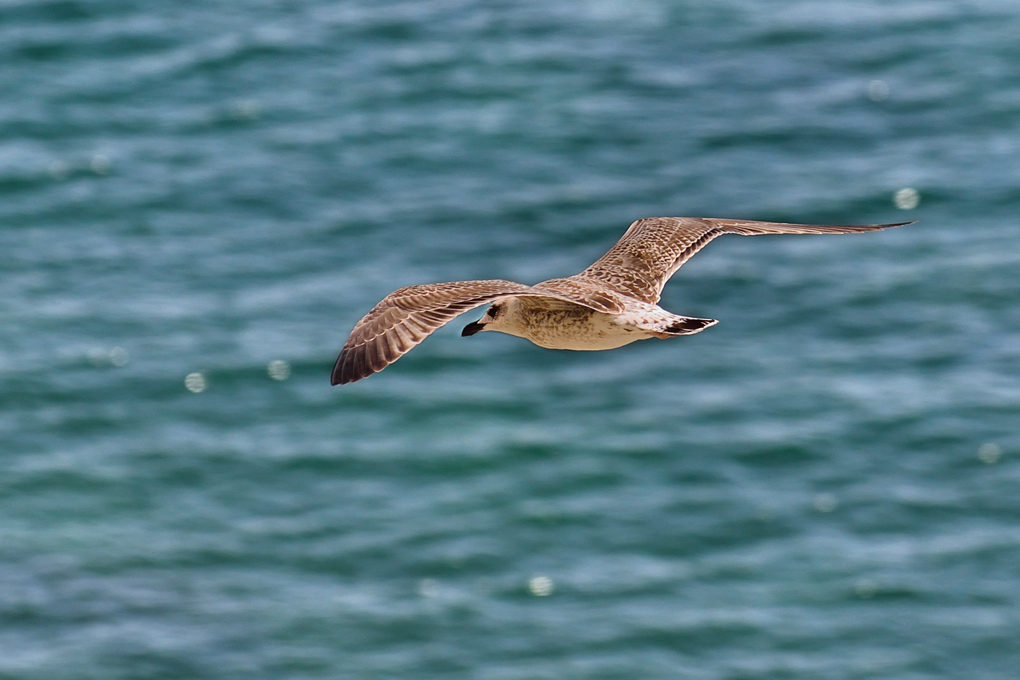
608	305
556	324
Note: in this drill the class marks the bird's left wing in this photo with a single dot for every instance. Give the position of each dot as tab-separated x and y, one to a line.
407	316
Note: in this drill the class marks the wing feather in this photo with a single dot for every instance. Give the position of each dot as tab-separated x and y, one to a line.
407	316
654	248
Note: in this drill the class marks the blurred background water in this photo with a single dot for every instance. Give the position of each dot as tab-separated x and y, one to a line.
199	199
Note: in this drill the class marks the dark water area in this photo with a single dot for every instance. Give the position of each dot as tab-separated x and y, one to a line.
199	200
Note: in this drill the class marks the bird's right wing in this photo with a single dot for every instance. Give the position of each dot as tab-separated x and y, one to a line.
654	248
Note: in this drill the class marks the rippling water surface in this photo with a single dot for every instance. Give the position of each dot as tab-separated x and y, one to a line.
825	485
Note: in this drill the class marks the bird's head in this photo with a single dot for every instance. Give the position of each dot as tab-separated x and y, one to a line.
490	320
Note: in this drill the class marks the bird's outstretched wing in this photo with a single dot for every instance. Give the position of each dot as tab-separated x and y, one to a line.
407	316
653	249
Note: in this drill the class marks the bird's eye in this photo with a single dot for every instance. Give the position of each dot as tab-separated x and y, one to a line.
495	311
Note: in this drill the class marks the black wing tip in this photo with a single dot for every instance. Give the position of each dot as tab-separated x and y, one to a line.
337	377
896	224
348	369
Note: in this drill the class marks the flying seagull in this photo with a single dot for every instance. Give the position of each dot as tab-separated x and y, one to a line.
610	304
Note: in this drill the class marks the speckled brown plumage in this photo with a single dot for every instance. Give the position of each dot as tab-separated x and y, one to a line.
620	289
653	249
407	316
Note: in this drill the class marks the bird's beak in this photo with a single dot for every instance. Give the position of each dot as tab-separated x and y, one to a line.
472	328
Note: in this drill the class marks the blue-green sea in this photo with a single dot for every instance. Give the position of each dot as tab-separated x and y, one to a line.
199	199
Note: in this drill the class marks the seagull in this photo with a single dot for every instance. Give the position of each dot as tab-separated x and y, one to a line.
610	304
